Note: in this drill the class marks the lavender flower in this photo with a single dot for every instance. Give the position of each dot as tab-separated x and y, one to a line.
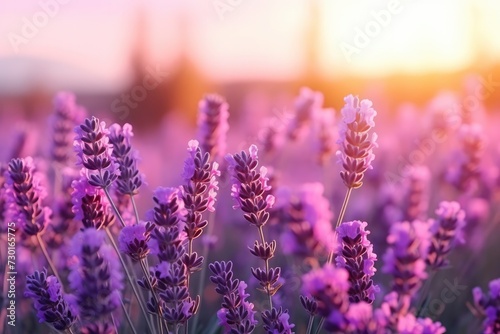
90	204
237	314
489	305
49	302
67	114
447	230
95	277
133	240
329	287
362	320
212	125
305	105
325	119
409	324
308	223
271	135
94	153
355	253
356	144
24	197
277	321
416	197
406	255
129	180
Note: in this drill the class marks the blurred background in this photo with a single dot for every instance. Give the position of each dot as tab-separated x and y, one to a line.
403	50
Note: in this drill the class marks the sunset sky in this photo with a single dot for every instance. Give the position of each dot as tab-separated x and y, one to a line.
90	41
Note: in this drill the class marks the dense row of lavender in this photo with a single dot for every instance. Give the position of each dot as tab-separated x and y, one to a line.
309	258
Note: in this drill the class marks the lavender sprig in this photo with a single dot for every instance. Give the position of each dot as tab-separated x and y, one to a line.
212	125
237	315
489	305
355	253
306	104
49	302
447	230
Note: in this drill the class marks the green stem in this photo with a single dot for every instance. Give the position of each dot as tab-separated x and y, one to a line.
157	300
340	218
115	209
310	324
261	234
127	316
129	278
47	257
136	212
320	325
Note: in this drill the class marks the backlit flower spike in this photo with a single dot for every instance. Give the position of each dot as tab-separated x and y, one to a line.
94	153
24	197
213	125
130	180
326	134
355	254
306	104
447	231
67	114
355	141
416	185
49	301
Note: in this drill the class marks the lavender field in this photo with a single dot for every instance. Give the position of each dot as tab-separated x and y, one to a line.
330	221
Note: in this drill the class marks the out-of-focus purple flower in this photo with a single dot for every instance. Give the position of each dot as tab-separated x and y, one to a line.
24	196
95	277
271	136
48	300
276	321
329	286
212	125
90	204
237	315
405	258
356	143
306	104
465	175
489	305
430	327
67	114
416	187
129	180
355	253
362	319
409	324
94	153
447	230
394	307
133	240
325	129
308	218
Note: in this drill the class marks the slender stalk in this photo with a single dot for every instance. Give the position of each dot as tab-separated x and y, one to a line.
157	300
136	212
129	278
340	218
424	291
320	325
70	331
115	209
310	324
47	257
127	316
114	322
261	234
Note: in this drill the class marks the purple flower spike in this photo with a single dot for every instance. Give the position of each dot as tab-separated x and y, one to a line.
356	144
133	240
67	114
325	119
361	319
212	125
95	153
95	277
329	286
24	197
356	255
306	104
129	180
447	230
405	258
277	321
409	324
489	305
249	186
416	198
49	302
237	314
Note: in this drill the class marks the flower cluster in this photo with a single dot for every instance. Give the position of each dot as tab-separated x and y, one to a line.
49	302
67	114
325	120
237	315
406	255
447	230
355	254
306	104
356	143
24	197
133	240
95	277
94	153
212	125
489	305
416	197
